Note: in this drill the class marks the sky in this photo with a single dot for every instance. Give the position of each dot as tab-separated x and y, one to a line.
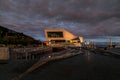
81	17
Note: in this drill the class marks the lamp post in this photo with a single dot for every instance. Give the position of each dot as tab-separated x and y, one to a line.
110	43
49	42
42	44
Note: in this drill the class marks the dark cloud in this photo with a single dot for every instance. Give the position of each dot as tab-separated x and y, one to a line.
82	17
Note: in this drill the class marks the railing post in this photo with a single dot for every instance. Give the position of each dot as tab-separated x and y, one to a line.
26	55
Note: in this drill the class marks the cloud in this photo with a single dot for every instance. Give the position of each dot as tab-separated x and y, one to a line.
81	17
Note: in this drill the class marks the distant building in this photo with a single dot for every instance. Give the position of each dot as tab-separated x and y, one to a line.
89	44
62	37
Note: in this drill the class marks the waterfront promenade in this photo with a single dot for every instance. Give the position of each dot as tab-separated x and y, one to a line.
85	66
89	66
115	50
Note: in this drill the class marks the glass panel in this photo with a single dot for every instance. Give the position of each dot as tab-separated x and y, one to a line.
55	34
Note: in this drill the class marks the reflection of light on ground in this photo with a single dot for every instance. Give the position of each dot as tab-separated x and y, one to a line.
88	55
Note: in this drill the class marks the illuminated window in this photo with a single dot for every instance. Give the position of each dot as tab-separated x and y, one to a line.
55	34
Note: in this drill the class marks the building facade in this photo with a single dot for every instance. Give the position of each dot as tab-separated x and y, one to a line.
62	37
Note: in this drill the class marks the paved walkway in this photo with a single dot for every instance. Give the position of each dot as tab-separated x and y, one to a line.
88	66
47	58
114	50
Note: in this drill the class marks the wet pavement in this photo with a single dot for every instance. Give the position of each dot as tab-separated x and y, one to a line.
89	66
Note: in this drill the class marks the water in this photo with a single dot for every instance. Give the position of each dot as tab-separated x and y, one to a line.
104	40
88	66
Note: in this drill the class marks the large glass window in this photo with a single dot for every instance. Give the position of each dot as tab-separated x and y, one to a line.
55	34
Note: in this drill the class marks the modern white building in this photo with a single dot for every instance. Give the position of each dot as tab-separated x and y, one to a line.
62	37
